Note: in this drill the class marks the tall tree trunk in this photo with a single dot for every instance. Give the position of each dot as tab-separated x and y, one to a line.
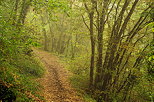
45	34
91	15
52	34
110	61
92	39
45	40
101	25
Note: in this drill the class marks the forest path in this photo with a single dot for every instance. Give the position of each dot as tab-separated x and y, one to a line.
55	81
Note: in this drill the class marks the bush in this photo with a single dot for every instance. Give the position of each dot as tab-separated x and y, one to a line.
17	69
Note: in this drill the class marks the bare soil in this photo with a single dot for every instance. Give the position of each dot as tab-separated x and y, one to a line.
56	86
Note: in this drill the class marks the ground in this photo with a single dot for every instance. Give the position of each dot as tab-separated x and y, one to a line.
56	85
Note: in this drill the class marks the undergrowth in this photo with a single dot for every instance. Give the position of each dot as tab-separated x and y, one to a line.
21	75
79	69
19	70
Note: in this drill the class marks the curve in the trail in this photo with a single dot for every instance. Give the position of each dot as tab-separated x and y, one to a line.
55	82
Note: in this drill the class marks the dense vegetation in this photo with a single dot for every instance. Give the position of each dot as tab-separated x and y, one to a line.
18	69
108	45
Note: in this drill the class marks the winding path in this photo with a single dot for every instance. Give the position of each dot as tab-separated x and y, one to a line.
55	81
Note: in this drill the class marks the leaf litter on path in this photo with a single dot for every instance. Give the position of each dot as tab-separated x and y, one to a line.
56	86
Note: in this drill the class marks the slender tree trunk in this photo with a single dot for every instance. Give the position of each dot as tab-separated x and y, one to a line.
110	61
92	39
92	49
59	43
101	23
45	40
45	35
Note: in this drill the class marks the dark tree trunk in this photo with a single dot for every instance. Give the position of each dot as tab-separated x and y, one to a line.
101	25
45	34
92	49
92	40
45	40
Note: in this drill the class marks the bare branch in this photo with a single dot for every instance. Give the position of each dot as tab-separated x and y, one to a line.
140	57
110	11
86	7
85	23
128	18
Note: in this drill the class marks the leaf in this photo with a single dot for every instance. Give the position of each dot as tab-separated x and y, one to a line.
151	24
151	58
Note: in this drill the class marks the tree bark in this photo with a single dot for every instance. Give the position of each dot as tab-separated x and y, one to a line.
92	40
101	25
45	35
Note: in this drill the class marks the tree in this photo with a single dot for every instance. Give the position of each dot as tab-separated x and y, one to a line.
112	65
90	12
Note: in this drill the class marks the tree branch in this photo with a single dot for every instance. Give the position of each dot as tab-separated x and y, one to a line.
85	23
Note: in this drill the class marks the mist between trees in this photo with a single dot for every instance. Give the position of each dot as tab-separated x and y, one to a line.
107	44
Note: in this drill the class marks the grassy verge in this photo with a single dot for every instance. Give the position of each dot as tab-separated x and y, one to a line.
79	69
20	75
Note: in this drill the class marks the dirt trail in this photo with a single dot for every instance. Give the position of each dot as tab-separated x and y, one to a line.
55	82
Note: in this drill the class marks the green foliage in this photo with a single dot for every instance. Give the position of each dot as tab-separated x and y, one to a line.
79	69
18	68
66	35
150	61
21	75
51	5
143	90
